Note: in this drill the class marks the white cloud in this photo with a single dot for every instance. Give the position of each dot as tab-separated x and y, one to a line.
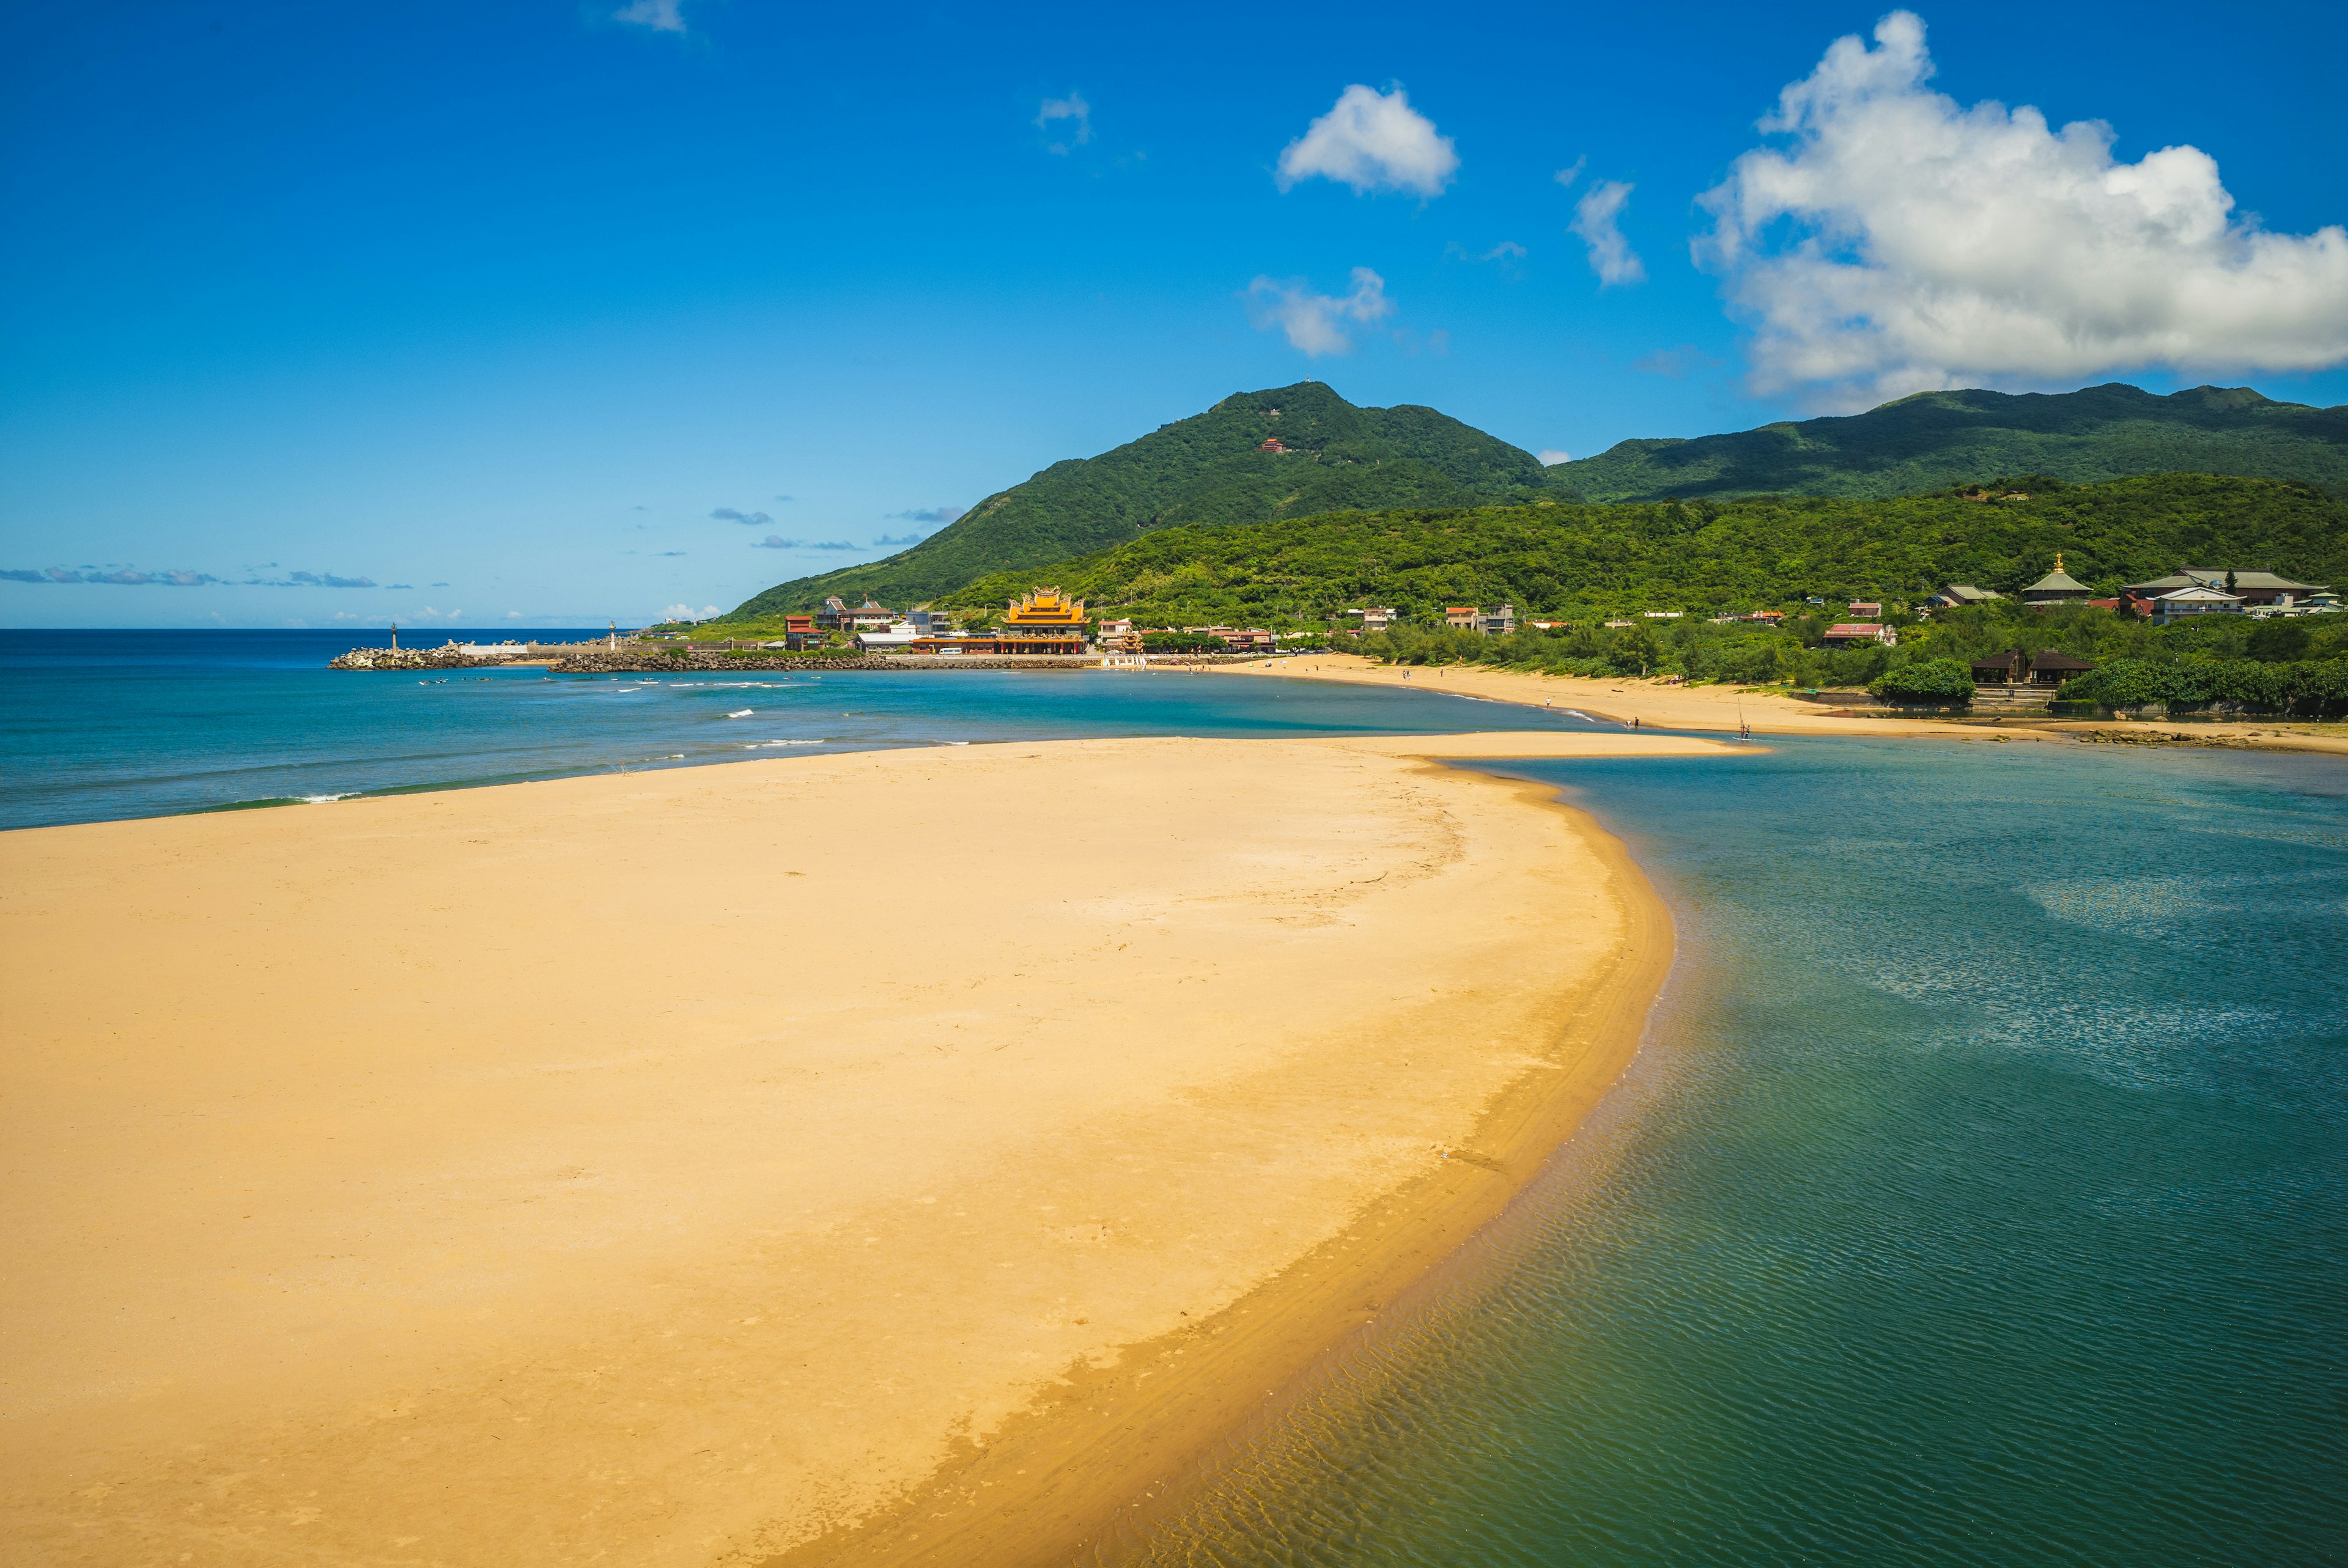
1316	322
1072	108
1568	176
1372	142
1596	217
686	612
1550	457
660	16
1925	244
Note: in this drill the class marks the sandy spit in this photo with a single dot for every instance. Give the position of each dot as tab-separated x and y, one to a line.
705	1166
1722	708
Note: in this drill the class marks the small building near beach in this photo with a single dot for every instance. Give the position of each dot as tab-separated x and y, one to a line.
2015	668
2048	668
2011	668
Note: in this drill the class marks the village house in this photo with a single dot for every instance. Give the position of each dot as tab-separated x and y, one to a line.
1251	640
1499	622
1462	616
836	616
2261	588
2177	604
2015	668
1866	610
898	638
1119	637
1851	633
1956	595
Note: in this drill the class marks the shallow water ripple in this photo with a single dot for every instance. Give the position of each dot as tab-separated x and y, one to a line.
1981	1198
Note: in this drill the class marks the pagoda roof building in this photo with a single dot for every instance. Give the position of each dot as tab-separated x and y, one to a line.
2056	586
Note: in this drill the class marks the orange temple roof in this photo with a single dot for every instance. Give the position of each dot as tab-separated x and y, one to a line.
1045	607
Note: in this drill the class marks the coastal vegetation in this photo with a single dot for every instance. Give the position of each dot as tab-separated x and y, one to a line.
1927	681
2308	686
2211	659
1582	563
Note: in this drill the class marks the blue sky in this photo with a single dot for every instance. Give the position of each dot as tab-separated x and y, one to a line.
500	309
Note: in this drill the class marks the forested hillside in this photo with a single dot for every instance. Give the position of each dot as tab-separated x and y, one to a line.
1211	468
1576	561
1936	439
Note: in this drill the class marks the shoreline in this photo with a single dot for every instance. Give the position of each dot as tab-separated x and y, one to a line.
1145	1448
1720	709
540	1228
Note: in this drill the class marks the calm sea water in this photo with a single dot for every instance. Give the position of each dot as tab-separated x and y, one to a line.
113	724
1979	1198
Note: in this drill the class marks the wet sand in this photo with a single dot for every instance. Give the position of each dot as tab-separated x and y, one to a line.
773	1160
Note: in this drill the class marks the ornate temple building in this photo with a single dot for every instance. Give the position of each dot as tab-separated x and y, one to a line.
1043	621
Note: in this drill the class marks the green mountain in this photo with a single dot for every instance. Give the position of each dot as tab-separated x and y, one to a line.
1578	561
1939	438
1211	468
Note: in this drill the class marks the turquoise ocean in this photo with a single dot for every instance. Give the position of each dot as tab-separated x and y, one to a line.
100	725
1979	1195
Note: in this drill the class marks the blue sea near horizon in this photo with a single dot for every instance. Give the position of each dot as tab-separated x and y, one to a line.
97	725
1979	1196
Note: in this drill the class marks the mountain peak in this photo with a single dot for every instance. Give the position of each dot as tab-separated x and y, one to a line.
1253	457
1929	440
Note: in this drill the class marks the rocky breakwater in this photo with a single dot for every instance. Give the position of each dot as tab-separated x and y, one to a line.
412	658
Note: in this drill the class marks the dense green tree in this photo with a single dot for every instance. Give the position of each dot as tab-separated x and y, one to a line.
1583	562
1933	681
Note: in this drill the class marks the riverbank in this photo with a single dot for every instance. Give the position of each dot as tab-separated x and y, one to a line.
703	1165
1722	709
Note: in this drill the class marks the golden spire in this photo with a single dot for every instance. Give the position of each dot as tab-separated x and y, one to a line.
2058	560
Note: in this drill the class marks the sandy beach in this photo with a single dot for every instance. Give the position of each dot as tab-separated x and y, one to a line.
1722	708
908	1156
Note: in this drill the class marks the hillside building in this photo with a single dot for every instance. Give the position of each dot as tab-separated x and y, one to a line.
1956	595
1853	633
2180	603
2249	586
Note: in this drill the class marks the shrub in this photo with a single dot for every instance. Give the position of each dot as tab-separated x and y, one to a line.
2312	686
1942	681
